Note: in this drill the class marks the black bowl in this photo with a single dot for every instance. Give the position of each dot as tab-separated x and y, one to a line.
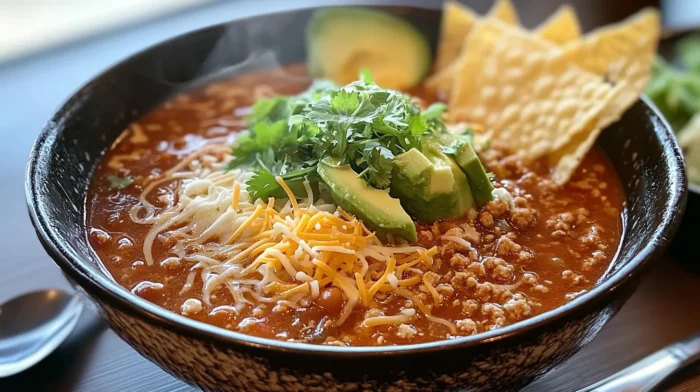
640	146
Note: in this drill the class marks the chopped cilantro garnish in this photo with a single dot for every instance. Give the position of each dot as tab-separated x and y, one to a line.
360	124
117	182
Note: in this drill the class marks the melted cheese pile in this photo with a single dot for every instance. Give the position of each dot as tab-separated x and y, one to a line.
277	252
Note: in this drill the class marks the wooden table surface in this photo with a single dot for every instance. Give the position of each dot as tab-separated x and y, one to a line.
664	309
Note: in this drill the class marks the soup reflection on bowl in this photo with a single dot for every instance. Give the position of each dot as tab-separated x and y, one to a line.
247	226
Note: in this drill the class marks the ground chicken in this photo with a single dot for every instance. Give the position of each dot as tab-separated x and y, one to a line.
486	220
477	269
468	326
484	291
574	295
445	290
506	246
517	307
529	278
432	278
470	234
459	261
494	315
469	307
503	272
522	218
582	215
406	331
524	256
572	278
191	306
426	238
592	237
496	207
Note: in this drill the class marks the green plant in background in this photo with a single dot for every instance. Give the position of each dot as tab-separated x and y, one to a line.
676	92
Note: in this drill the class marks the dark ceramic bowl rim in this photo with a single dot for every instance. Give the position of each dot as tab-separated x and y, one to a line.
81	271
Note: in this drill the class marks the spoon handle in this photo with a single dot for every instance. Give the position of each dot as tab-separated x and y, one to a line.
646	374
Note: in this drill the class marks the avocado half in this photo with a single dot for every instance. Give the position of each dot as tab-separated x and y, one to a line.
342	41
430	185
377	210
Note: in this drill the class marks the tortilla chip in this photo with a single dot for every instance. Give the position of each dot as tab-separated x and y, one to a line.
530	96
504	11
456	22
566	159
623	53
458	19
561	27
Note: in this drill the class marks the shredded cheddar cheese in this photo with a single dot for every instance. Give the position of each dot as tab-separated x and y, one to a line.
263	253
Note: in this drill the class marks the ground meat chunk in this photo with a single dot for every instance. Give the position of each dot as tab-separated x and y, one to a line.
486	219
493	314
470	234
477	269
484	291
582	215
574	295
503	272
426	238
522	218
468	326
506	246
572	278
524	256
592	237
459	281
459	261
451	248
469	307
529	278
432	278
406	331
445	290
491	262
191	306
496	207
517	307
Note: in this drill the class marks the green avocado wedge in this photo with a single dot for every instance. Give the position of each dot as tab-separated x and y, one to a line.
377	210
430	185
342	41
478	179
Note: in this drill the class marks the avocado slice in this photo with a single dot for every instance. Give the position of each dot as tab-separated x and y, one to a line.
430	185
342	41
476	174
374	207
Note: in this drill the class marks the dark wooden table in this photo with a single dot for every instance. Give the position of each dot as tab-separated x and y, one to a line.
664	309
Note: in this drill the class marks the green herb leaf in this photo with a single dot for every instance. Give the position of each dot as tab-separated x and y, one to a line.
435	111
366	76
380	164
360	124
116	182
688	50
263	184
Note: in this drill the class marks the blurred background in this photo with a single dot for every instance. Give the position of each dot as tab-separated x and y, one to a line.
30	26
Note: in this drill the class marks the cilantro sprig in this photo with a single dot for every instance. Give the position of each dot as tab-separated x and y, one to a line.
360	124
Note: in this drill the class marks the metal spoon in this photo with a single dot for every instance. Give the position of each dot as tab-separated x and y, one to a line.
33	325
649	372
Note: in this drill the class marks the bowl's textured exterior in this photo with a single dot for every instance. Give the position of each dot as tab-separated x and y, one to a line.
64	157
